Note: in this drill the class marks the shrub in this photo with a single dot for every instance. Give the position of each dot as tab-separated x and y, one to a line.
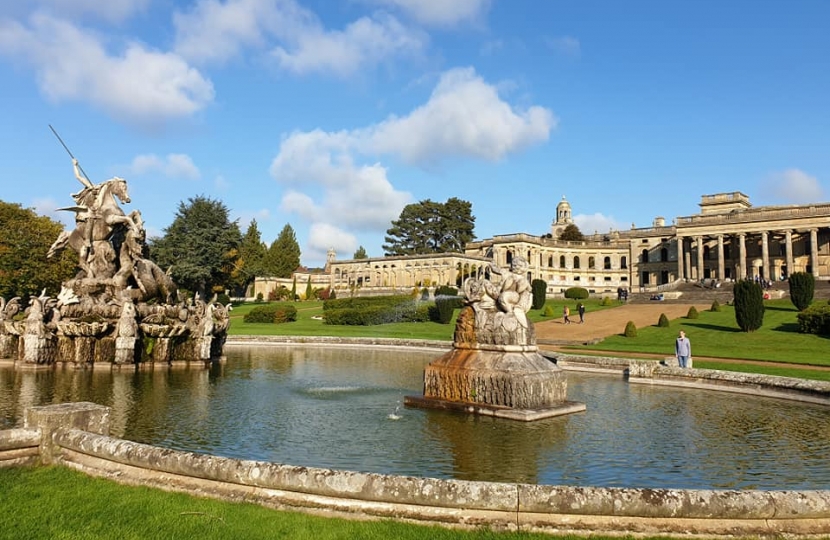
540	289
606	301
630	329
802	288
424	294
446	290
548	312
749	305
444	307
715	306
815	320
259	297
223	299
576	293
692	313
663	322
271	313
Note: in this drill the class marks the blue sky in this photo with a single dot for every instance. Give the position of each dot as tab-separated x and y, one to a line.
332	115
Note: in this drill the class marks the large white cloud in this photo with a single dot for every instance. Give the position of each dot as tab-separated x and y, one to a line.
138	85
597	223
792	186
464	116
334	176
216	30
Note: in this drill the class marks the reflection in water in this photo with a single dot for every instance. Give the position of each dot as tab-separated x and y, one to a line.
340	408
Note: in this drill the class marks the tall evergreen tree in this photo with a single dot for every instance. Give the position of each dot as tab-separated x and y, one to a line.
802	289
571	233
252	253
360	253
201	245
749	305
25	238
431	227
309	290
284	254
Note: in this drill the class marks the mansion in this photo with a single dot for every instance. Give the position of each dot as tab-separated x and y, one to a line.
728	240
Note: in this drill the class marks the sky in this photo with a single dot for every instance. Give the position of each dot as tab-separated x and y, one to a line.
331	116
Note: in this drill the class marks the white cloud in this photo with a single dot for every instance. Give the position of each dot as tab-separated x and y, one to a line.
591	223
464	116
365	42
440	12
178	166
140	86
323	236
218	30
566	46
334	175
792	186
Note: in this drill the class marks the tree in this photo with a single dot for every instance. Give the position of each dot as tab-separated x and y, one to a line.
309	290
802	289
540	289
284	254
201	246
360	253
252	253
749	305
25	239
571	233
294	290
431	227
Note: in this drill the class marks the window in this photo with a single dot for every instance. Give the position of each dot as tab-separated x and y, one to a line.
606	263
624	262
590	262
664	255
561	261
550	261
644	256
576	262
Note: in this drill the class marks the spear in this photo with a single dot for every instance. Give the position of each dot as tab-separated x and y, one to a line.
68	152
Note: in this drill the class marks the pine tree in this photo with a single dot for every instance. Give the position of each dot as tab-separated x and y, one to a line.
252	254
431	227
284	254
360	253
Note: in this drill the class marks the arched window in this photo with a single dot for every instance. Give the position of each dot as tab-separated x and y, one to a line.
576	262
664	255
624	262
509	257
644	256
561	261
590	262
550	261
606	263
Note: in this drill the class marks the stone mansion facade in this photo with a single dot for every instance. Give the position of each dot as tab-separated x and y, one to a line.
729	239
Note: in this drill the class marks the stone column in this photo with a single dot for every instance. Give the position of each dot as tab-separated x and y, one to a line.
742	256
765	256
680	253
699	243
788	235
721	273
814	251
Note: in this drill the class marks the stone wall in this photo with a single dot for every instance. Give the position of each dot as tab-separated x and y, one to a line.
64	434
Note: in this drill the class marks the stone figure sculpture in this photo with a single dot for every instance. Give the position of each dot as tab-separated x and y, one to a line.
120	307
494	367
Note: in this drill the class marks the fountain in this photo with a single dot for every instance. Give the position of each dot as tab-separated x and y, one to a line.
494	367
120	308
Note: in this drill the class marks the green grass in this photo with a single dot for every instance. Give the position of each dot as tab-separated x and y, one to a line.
61	504
717	335
306	325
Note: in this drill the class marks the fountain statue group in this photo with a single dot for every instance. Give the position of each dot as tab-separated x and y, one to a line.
494	367
120	307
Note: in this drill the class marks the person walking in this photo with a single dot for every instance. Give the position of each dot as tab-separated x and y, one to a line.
580	308
566	311
683	350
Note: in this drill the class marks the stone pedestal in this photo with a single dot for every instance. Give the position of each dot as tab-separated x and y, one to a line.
508	382
83	415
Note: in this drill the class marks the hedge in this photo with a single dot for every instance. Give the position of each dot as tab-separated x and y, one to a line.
577	293
271	313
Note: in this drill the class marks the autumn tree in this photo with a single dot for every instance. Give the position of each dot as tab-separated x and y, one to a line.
201	246
25	238
431	227
283	254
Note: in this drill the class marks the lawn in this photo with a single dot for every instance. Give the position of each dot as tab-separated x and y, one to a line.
61	504
717	335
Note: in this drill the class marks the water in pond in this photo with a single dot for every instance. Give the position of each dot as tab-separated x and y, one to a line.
341	408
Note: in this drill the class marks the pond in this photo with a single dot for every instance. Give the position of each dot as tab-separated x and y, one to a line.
341	408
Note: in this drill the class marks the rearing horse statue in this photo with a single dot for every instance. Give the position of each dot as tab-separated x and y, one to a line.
98	216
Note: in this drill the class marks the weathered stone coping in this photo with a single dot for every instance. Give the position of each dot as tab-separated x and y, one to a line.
653	372
339	341
19	447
